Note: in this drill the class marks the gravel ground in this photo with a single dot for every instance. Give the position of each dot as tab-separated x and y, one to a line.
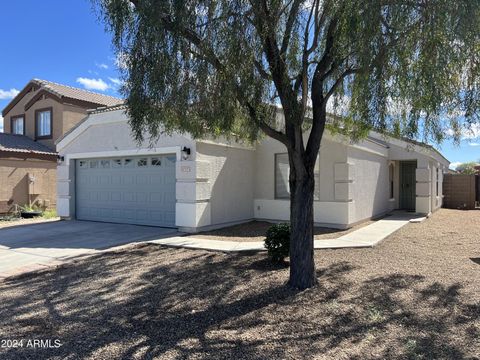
16	222
414	296
256	230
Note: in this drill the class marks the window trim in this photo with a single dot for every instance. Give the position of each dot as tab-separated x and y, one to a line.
276	197
15	117
50	109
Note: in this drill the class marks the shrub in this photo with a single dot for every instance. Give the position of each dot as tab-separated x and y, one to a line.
50	214
277	242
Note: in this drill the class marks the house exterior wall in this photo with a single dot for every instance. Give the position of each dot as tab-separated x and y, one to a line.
108	134
221	183
64	117
332	203
19	109
71	116
427	199
371	188
16	188
231	181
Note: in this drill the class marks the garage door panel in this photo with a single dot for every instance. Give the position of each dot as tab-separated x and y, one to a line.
108	190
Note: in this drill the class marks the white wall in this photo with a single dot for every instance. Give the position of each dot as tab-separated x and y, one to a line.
108	134
371	187
227	183
331	152
331	207
231	182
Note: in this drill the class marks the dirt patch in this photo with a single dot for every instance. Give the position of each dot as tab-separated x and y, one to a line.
256	230
414	296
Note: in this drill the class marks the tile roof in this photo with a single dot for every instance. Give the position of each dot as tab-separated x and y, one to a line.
76	93
23	144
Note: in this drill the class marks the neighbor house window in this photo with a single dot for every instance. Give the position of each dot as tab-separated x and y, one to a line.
18	125
43	123
391	172
282	172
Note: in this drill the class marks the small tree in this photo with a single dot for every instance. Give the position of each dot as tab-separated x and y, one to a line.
467	168
214	67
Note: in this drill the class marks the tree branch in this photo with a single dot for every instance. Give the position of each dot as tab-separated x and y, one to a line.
339	81
292	16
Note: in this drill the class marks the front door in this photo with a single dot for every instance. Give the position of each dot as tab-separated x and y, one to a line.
407	185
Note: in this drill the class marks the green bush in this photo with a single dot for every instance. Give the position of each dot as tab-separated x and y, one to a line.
277	242
50	214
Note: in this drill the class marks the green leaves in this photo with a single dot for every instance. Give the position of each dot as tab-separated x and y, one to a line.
214	67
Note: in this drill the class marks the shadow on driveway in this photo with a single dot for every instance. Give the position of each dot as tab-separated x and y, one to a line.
24	247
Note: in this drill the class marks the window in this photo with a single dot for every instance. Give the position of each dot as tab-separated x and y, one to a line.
156	161
94	164
282	173
128	163
18	125
117	163
438	180
83	163
142	162
391	173
43	123
105	164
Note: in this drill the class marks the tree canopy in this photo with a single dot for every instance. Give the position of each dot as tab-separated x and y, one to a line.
467	168
410	68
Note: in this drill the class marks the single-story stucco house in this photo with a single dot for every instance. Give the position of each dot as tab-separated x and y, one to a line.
202	184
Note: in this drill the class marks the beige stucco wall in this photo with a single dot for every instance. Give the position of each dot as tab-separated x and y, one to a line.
64	117
231	181
71	116
19	109
15	185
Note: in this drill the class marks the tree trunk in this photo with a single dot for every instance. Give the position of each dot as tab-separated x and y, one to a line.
302	266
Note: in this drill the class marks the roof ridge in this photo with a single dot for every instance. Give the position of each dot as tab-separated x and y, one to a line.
46	82
101	109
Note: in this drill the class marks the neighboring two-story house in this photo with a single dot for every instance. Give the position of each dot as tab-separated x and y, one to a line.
40	114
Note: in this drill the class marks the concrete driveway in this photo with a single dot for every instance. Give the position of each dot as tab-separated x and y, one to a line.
29	247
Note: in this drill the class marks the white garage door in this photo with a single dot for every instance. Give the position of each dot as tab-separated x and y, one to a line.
133	190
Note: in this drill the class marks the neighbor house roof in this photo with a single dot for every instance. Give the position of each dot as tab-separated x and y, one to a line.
63	93
13	143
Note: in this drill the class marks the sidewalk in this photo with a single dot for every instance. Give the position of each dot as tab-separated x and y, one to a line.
367	236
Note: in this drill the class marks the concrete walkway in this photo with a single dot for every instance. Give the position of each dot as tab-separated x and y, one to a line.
367	236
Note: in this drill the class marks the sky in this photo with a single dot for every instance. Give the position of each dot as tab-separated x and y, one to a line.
64	42
60	41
